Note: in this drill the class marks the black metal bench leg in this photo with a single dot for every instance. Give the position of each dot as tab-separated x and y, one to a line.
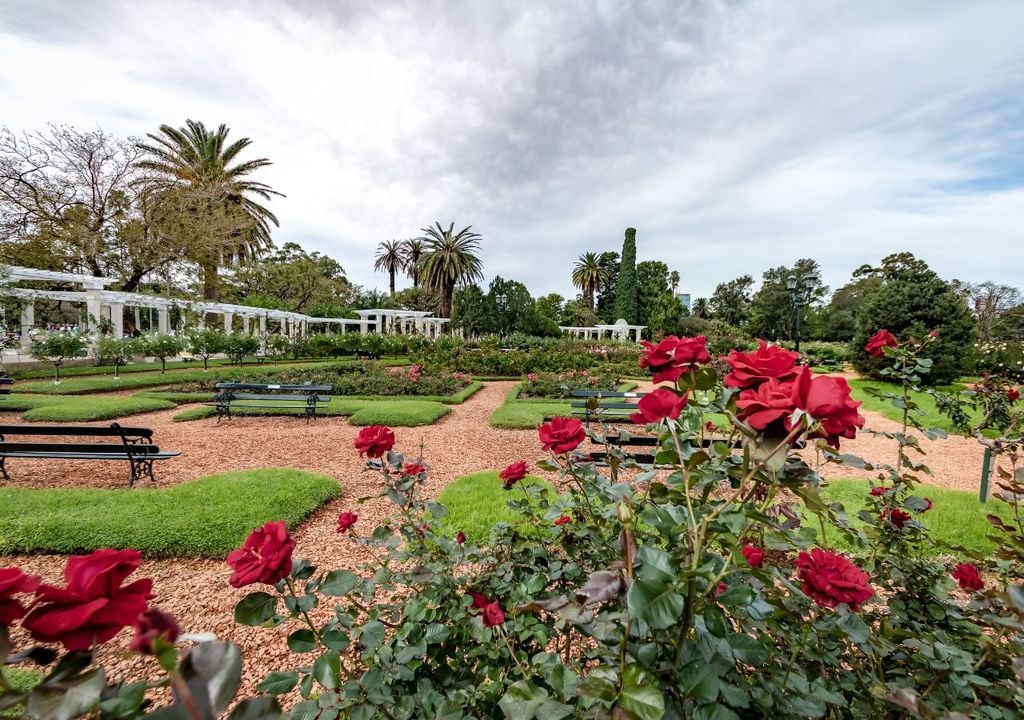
141	467
3	468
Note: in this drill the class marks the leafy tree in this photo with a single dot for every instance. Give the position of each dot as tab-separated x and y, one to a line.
418	298
772	311
541	325
294	280
206	343
911	302
701	308
162	346
469	310
238	345
576	313
412	251
839	317
991	302
626	285
589	275
550	305
508	303
606	293
278	345
390	258
657	306
450	258
58	347
117	351
196	168
730	302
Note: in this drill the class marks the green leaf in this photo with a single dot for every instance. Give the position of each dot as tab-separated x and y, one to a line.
257	708
714	712
435	633
327	668
255	609
339	582
521	701
640	696
302	641
372	635
278	683
748	649
656	565
853	627
68	698
656	603
699	681
213	671
127	701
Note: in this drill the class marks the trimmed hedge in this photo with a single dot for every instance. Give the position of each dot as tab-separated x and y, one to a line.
477	502
402	413
207	517
86	409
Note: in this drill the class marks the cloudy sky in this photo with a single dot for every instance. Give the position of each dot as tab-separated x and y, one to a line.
733	135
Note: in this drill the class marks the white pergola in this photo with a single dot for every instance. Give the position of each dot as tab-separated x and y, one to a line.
386	320
620	330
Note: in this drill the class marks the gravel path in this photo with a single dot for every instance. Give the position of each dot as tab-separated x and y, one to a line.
196	591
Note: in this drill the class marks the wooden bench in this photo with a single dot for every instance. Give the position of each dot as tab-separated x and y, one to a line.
136	446
275	397
5	384
591	406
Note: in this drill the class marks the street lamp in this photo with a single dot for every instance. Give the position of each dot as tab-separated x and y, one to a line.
801	289
502	301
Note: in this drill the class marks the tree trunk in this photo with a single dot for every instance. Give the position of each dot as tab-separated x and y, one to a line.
392	282
211	289
446	300
590	298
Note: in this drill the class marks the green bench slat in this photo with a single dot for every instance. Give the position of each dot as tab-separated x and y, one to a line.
282	398
107	448
308	389
77	430
605	394
601	406
61	455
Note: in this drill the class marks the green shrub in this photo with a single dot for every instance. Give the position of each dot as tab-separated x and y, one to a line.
561	385
1001	357
207	517
58	347
87	409
478	502
399	413
162	346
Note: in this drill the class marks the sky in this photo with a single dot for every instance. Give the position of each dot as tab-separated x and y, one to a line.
735	136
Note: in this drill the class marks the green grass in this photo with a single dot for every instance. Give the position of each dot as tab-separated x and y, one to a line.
526	415
477	502
206	517
172	366
397	413
108	383
85	409
931	416
178	398
21	680
184	398
16	402
957	517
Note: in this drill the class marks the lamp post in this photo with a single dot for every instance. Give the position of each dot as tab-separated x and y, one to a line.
800	290
502	302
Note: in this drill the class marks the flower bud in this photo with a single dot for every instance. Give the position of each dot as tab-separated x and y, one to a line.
624	513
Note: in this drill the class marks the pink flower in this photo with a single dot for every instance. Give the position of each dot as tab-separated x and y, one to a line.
374	441
561	434
673	356
768	362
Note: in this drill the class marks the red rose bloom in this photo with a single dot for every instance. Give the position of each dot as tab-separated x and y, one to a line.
412	468
479	600
460	538
1012	394
754	555
879	341
830	579
153	624
493	614
93	606
374	441
768	402
562	434
265	557
768	362
673	356
928	505
720	588
968	577
899	518
879	490
346	520
14	582
514	473
662	404
563	520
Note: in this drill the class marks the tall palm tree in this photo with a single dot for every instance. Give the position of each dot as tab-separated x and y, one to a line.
701	308
197	163
589	275
673	281
390	258
412	251
449	258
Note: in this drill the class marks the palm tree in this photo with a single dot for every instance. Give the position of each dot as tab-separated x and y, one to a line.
673	280
589	275
449	258
412	251
194	162
701	308
390	258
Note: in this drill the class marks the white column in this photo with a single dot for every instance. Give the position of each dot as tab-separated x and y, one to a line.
163	321
202	321
28	319
117	319
138	318
363	329
229	319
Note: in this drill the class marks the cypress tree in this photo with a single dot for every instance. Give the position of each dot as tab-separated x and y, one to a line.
626	291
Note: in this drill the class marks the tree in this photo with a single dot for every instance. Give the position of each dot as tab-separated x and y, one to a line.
469	310
162	346
206	343
701	308
412	251
194	166
839	317
589	275
912	301
673	280
390	258
277	345
605	309
550	305
731	301
576	313
294	280
508	303
56	348
238	345
418	298
991	303
657	306
117	351
449	259
772	310
626	286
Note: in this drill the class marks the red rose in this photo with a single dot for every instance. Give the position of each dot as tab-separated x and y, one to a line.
153	625
662	404
563	520
346	520
374	441
754	555
720	588
879	490
493	614
673	356
514	473
479	600
1012	394
460	538
898	518
93	606
968	577
830	579
768	362
879	341
14	582
265	557
928	505
767	403
412	468
562	434
827	399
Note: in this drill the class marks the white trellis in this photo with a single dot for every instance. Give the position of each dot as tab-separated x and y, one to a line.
620	330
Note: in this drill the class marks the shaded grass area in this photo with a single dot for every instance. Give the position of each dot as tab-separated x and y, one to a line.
206	517
85	409
172	366
16	402
399	413
477	502
956	518
931	416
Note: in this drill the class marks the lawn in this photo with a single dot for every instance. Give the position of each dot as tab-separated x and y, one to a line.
398	413
477	502
206	517
172	366
86	409
527	415
16	402
183	398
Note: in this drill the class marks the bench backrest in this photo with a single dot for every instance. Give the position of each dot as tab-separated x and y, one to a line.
112	430
605	394
5	385
112	448
302	397
309	389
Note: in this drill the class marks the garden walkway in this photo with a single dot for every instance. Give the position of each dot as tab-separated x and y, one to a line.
196	590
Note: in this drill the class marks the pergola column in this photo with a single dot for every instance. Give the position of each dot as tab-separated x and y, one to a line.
229	321
28	319
163	321
138	318
117	319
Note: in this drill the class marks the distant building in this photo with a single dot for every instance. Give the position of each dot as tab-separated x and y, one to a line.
684	300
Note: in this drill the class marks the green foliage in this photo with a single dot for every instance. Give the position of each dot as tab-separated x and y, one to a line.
449	259
839	317
117	351
206	343
478	502
605	309
1001	357
832	355
58	347
508	306
911	302
575	313
237	345
730	302
206	517
526	415
469	312
772	308
162	346
292	279
400	413
561	385
626	288
87	409
657	306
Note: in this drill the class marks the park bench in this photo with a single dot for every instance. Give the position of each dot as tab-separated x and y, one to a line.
275	397
136	446
593	406
5	384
